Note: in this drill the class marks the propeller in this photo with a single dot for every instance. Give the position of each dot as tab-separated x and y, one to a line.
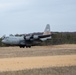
31	37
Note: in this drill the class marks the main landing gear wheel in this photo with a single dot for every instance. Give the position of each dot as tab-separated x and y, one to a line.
28	46
22	46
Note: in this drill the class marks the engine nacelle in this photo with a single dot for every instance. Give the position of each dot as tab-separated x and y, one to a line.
35	37
31	37
27	37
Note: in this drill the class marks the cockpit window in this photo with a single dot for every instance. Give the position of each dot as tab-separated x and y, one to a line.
6	38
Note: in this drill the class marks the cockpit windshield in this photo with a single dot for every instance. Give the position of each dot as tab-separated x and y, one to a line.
5	37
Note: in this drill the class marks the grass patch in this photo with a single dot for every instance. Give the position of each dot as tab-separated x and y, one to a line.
7	52
71	70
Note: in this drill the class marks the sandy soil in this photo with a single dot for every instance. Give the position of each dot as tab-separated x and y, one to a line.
66	49
15	58
21	63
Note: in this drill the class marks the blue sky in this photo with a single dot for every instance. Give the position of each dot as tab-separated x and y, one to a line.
27	16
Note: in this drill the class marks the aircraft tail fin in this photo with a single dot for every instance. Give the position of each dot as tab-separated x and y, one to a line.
47	30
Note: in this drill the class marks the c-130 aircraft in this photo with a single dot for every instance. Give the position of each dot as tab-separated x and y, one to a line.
28	40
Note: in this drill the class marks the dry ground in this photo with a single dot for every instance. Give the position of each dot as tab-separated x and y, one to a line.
56	57
13	64
71	70
7	52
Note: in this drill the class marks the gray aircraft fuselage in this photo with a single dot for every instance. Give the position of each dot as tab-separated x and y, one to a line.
27	41
13	40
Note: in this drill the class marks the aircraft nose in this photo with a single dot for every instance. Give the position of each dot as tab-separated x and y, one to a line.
3	41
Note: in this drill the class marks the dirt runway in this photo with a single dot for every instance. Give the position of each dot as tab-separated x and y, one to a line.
21	63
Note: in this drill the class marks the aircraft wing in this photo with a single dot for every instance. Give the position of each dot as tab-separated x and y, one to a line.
44	36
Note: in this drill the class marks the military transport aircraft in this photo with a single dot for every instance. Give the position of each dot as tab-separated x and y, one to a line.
28	40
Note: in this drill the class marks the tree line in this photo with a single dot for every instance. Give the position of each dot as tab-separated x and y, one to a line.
57	38
61	38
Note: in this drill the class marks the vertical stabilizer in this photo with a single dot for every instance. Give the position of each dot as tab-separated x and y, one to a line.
47	30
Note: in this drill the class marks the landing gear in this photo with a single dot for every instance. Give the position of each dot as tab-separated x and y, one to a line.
28	46
22	46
